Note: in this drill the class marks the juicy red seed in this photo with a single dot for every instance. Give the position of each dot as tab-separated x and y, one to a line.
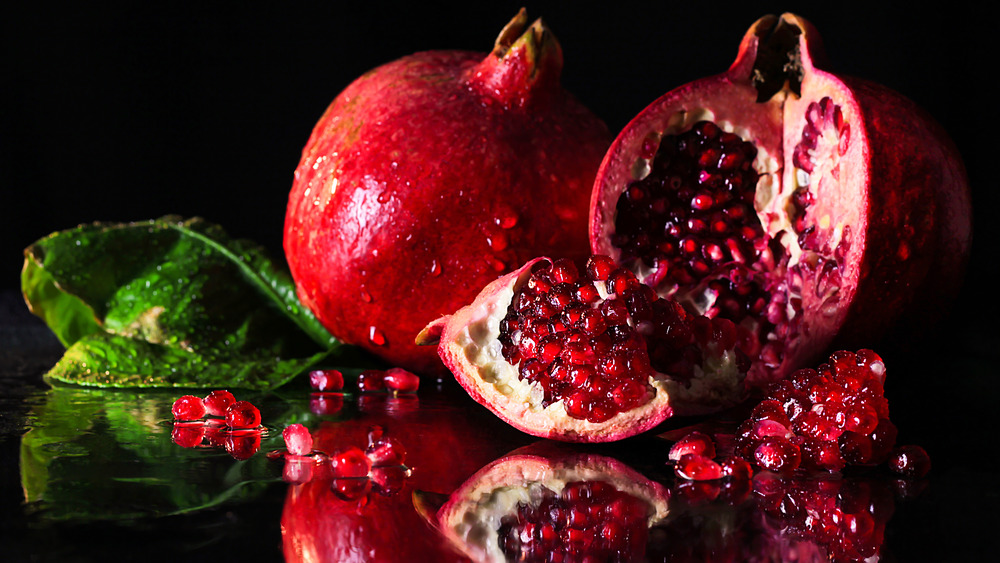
371	380
910	461
693	443
777	454
188	434
326	380
298	440
188	407
242	414
349	463
736	468
385	451
401	381
599	267
697	468
564	271
218	401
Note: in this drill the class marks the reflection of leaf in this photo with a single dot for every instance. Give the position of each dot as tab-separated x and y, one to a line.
169	303
96	455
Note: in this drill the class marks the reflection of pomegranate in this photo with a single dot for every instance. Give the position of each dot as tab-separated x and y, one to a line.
431	175
588	355
799	204
325	520
543	503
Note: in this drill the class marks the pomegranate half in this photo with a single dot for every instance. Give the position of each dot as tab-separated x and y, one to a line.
802	205
431	175
587	355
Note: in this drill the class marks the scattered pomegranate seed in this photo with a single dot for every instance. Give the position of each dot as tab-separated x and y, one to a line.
371	380
737	468
325	404
243	444
298	440
388	481
910	461
385	451
218	401
242	414
188	407
693	443
326	380
401	381
697	467
351	489
350	462
188	434
298	469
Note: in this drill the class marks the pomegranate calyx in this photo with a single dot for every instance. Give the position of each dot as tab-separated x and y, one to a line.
778	64
525	64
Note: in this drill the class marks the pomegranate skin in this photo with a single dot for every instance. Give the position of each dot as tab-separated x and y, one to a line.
897	182
428	177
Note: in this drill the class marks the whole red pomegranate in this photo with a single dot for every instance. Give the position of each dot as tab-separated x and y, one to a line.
428	177
802	205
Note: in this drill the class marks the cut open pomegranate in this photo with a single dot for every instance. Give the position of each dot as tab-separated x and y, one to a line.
587	354
801	205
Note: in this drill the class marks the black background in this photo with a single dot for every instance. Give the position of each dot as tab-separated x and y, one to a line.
132	112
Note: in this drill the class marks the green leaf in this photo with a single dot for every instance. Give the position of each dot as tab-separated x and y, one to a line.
169	303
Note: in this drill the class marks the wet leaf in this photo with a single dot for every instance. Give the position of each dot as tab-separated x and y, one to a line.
169	303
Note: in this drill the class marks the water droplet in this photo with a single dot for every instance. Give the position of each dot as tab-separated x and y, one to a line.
365	296
435	268
375	336
497	241
383	197
506	217
496	263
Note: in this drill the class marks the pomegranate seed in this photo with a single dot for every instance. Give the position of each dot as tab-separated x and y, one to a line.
371	380
388	481
298	469
910	461
218	401
242	414
384	451
693	443
242	444
777	454
188	434
188	407
326	380
350	463
351	489
401	381
736	468
697	468
298	440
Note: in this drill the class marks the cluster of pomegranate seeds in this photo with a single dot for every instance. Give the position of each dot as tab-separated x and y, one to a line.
847	519
326	380
586	521
822	418
693	456
694	211
592	339
239	434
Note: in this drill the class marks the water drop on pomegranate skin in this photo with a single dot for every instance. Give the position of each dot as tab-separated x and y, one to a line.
375	336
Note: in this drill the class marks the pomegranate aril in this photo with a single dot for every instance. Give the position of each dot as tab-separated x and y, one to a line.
188	407
218	401
384	450
298	440
910	461
736	468
242	414
777	454
326	380
401	380
350	462
371	380
697	467
693	443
